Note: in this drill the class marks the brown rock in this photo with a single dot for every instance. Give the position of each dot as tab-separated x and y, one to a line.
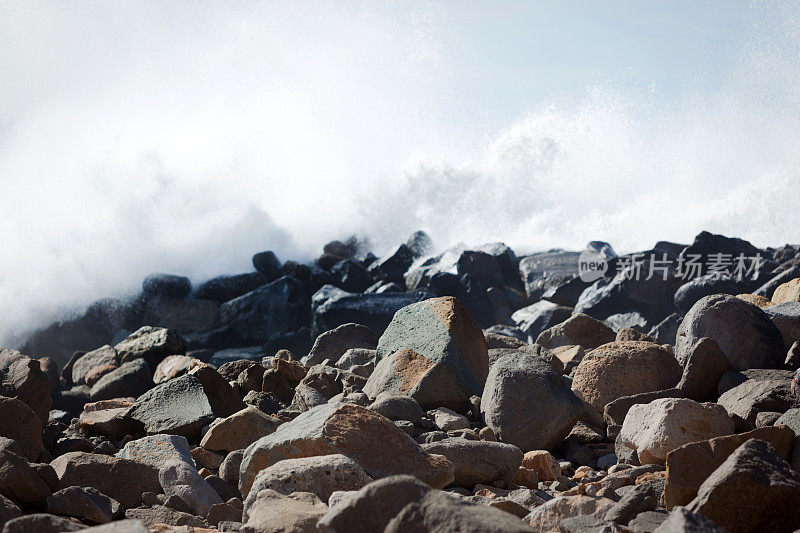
580	329
787	292
239	430
20	423
691	464
22	377
543	463
94	375
759	301
20	482
622	369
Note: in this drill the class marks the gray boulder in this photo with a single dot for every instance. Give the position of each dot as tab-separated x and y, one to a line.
703	367
477	461
179	406
333	344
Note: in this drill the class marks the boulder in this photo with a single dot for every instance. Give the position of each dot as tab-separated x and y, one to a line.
174	366
151	344
614	413
42	523
786	316
267	312
646	495
754	396
702	369
544	271
543	463
267	264
239	430
747	489
744	332
156	450
373	506
787	292
476	461
537	317
166	285
374	311
393	266
159	516
22	378
549	515
359	361
691	291
321	476
684	521
351	276
333	344
622	369
105	355
224	288
179	406
112	422
21	482
661	426
527	404
374	442
131	379
791	419
666	330
688	466
85	503
273	512
8	510
440	345
179	478
448	420
121	479
397	407
758	301
443	512
20	423
184	315
581	330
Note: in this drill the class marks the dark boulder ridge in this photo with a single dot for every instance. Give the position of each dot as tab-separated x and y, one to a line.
475	390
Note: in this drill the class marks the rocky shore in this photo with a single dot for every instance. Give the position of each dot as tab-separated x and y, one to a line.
470	390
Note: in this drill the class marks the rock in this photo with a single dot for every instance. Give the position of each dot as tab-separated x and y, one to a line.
86	503
263	314
527	404
661	426
8	510
181	314
614	413
151	344
41	523
179	407
445	513
131	379
321	476
101	356
223	399
690	292
20	423
566	293
393	266
758	301
666	330
643	497
273	512
121	479
791	419
174	366
500	340
580	330
544	271
543	463
634	319
374	311
120	526
351	276
371	440
22	378
537	317
373	506
229	469
20	482
549	515
178	478
112	423
746	335
744	492
622	369
94	375
359	361
397	407
166	285
447	420
691	464
786	316
768	288
787	292
681	520
159	514
476	461
630	334
224	288
702	369
753	396
239	430
442	345
156	450
220	512
333	344
267	264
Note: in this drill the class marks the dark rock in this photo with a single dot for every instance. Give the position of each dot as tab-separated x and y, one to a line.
744	492
181	314
374	311
754	396
20	423
567	293
393	266
267	312
536	318
682	520
20	482
22	378
746	335
267	264
419	243
397	407
506	331
223	399
690	292
467	290
527	404
159	514
482	266
130	380
85	503
151	344
105	355
543	271
8	510
42	523
179	407
351	276
646	496
166	285
666	330
702	370
224	288
768	288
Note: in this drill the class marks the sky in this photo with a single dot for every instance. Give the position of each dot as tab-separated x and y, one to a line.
186	136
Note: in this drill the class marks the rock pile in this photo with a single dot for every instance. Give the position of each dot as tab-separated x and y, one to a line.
473	390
